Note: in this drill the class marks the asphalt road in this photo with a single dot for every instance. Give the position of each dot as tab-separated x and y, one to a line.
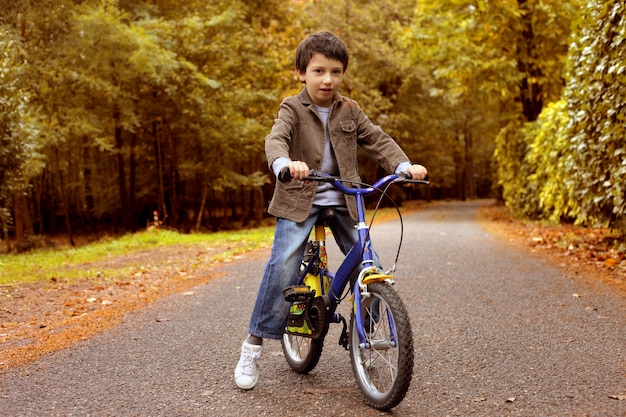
498	332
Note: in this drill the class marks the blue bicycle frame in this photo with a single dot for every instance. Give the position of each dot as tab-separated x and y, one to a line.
360	256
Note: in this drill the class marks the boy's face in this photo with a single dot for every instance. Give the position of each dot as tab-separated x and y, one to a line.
322	78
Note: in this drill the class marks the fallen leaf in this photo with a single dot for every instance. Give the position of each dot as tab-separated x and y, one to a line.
618	397
576	295
106	302
609	262
510	399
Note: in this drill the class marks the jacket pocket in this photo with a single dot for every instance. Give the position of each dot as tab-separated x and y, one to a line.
293	185
347	126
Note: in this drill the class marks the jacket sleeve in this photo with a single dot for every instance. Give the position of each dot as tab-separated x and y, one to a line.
278	141
378	145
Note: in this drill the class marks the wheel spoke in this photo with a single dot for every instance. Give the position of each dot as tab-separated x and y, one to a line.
302	353
383	368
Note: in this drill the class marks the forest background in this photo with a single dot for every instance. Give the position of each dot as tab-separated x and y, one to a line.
111	110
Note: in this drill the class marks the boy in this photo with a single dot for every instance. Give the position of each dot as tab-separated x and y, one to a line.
317	129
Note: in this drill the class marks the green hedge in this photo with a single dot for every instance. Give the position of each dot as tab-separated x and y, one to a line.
569	164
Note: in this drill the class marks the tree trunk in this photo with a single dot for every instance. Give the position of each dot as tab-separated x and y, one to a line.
121	175
89	199
257	205
64	200
37	193
233	203
133	183
19	220
470	186
158	143
245	195
5	234
205	191
66	210
459	168
531	94
174	178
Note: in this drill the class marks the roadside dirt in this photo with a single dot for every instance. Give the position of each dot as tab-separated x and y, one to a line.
36	319
593	254
39	318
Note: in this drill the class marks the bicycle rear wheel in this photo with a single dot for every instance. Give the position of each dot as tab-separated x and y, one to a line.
302	353
383	370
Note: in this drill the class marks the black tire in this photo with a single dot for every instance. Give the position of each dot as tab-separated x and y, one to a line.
302	353
383	372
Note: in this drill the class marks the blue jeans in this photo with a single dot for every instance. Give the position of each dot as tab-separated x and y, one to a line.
269	316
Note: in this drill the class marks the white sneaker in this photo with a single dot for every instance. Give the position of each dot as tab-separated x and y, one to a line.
247	370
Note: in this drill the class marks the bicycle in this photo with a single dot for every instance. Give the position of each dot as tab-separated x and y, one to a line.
380	339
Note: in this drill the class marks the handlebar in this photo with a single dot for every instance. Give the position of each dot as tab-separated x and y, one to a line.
284	176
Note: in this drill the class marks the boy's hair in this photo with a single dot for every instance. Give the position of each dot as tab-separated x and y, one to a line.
327	44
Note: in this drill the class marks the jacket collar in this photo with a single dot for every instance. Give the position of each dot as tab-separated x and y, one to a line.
305	98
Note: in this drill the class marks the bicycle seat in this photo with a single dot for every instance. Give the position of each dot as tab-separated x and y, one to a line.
325	216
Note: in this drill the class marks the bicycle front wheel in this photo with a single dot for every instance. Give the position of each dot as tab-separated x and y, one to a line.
384	367
302	353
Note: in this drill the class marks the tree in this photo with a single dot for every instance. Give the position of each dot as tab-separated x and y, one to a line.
568	165
138	98
596	105
19	156
492	63
133	106
458	45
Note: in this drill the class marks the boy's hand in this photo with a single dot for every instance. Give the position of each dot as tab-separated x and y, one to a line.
298	170
418	172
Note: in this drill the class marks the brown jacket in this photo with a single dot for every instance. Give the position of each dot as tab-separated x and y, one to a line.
298	134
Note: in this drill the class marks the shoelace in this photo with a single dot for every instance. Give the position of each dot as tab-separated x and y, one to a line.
250	360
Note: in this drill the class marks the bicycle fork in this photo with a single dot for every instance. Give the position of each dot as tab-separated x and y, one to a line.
370	273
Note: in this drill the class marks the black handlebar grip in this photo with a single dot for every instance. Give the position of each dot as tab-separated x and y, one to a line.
284	175
407	176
